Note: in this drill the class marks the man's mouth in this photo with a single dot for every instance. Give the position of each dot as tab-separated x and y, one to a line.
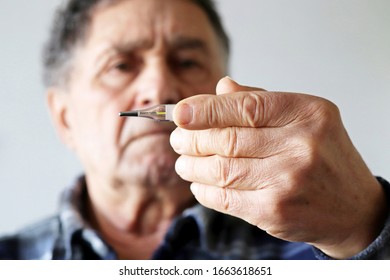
153	133
150	133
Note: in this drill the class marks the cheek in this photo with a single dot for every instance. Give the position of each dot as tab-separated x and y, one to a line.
197	91
95	142
207	87
96	126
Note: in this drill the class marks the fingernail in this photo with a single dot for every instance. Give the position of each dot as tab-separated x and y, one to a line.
183	114
176	139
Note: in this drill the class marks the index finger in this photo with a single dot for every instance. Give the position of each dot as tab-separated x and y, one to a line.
240	109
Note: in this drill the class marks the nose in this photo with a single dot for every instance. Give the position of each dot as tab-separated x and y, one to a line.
156	84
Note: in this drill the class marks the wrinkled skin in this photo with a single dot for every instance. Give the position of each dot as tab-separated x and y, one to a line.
136	54
282	162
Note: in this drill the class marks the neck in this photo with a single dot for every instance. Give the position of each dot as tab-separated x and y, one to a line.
134	219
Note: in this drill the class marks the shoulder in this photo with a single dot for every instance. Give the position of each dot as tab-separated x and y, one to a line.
36	241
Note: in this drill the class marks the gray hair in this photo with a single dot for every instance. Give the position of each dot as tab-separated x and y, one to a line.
71	23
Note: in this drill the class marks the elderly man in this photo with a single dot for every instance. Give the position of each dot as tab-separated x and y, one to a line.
279	166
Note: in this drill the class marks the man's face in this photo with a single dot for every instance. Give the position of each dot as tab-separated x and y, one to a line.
137	53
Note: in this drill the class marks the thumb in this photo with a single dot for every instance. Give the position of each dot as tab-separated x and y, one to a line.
237	106
228	85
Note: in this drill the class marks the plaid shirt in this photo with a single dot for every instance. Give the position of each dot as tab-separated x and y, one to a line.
199	233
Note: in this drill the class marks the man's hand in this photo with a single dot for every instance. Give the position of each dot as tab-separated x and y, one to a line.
282	162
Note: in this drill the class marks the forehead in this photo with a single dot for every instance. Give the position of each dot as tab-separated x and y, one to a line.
149	21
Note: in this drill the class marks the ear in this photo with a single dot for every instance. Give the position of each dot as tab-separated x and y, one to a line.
59	109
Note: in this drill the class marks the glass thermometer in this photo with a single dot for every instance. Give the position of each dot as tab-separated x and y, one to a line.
161	113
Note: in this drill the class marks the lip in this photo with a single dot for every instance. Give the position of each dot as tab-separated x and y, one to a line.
152	133
148	133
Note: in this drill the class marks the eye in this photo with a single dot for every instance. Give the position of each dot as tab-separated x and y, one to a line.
120	71
189	66
124	67
187	63
124	64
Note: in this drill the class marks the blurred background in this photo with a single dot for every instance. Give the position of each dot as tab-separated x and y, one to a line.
337	49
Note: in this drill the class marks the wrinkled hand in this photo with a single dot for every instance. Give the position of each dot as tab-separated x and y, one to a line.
280	161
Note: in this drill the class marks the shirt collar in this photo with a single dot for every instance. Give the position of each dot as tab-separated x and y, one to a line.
73	217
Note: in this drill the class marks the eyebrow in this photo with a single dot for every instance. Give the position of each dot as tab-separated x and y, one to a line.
132	45
177	43
123	48
189	43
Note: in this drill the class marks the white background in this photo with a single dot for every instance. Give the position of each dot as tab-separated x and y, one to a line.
337	49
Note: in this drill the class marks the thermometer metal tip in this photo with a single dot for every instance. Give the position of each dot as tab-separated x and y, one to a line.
162	112
129	114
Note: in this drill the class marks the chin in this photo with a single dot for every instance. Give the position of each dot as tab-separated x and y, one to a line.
151	162
158	168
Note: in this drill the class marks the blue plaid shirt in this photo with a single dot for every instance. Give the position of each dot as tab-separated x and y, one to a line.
199	233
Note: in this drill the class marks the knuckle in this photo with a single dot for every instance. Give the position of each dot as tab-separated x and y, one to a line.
222	170
326	117
214	113
232	148
328	109
226	172
196	143
225	199
229	200
283	204
253	109
304	157
275	215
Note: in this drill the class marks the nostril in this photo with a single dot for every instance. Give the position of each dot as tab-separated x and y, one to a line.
170	101
146	102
